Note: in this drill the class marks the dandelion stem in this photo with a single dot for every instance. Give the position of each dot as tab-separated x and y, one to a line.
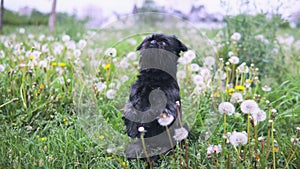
171	142
223	144
273	150
12	100
185	140
292	153
145	151
249	134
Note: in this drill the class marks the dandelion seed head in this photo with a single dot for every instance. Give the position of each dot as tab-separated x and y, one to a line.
165	119
131	56
235	36
226	108
111	52
181	74
141	129
234	60
195	67
197	79
266	88
209	61
180	134
111	93
21	30
236	97
248	106
238	138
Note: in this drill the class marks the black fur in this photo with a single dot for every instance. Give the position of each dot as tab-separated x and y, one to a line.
158	67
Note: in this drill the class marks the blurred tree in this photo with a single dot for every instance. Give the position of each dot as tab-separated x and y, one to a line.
1	14
52	17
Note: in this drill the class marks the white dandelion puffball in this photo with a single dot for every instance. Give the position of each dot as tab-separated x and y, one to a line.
248	106
209	61
77	53
180	134
190	55
197	79
111	93
236	97
236	36
184	60
226	108
209	149
131	56
2	68
181	74
21	30
259	115
65	38
205	73
266	88
165	119
217	148
141	129
111	52
195	67
100	86
230	54
243	68
238	138
234	60
82	43
124	63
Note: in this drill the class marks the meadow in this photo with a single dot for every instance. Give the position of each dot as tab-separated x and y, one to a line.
62	95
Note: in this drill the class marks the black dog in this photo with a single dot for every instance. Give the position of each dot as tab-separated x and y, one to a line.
153	95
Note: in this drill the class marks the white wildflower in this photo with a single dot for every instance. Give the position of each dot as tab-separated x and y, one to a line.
124	63
258	115
181	74
124	78
243	68
197	79
131	56
180	134
190	55
234	60
21	30
111	52
226	108
65	38
235	36
111	93
82	43
230	54
205	73
266	88
43	63
209	61
165	119
295	141
2	68
141	129
195	67
77	53
248	106
238	138
236	97
100	86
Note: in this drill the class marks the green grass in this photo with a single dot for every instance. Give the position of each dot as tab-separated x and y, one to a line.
46	123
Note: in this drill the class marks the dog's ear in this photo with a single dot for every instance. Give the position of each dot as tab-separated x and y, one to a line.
140	46
182	47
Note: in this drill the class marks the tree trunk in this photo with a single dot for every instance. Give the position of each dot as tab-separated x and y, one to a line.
1	14
52	17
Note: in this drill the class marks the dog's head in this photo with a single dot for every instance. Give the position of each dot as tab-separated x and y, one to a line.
164	42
